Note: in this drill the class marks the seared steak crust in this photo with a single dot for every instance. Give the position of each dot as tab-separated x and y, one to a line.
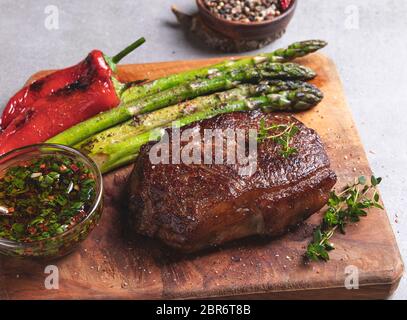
192	206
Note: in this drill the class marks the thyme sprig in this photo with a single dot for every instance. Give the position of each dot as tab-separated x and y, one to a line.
343	208
281	134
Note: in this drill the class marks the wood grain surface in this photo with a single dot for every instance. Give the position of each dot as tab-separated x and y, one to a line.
112	264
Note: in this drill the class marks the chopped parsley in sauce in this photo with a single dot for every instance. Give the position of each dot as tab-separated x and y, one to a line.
44	197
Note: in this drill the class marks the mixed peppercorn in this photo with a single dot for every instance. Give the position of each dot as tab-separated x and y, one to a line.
44	197
247	10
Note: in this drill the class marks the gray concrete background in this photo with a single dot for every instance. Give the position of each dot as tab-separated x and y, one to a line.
371	60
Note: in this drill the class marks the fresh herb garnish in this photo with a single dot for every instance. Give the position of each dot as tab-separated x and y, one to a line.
343	208
281	134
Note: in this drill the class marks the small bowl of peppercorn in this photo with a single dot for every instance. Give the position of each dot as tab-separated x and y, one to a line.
261	20
50	200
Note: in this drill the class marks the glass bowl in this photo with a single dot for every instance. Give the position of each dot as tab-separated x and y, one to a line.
65	242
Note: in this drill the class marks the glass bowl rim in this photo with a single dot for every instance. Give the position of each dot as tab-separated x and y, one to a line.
95	206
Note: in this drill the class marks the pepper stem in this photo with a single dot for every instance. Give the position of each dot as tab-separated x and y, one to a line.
116	59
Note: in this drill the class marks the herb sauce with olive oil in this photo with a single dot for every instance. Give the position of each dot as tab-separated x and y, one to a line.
44	197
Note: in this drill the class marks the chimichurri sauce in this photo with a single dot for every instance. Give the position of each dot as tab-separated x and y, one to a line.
44	197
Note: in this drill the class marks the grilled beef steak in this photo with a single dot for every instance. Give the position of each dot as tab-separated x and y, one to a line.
193	206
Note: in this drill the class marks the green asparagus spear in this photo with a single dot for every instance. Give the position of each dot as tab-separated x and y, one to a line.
122	162
111	156
220	82
295	50
148	121
160	117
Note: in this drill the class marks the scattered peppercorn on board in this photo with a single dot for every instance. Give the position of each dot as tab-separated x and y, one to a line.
111	264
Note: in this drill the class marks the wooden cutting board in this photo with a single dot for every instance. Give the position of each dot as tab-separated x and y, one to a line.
113	265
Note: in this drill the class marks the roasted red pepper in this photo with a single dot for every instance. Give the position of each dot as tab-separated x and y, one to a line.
41	88
61	100
48	116
56	81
